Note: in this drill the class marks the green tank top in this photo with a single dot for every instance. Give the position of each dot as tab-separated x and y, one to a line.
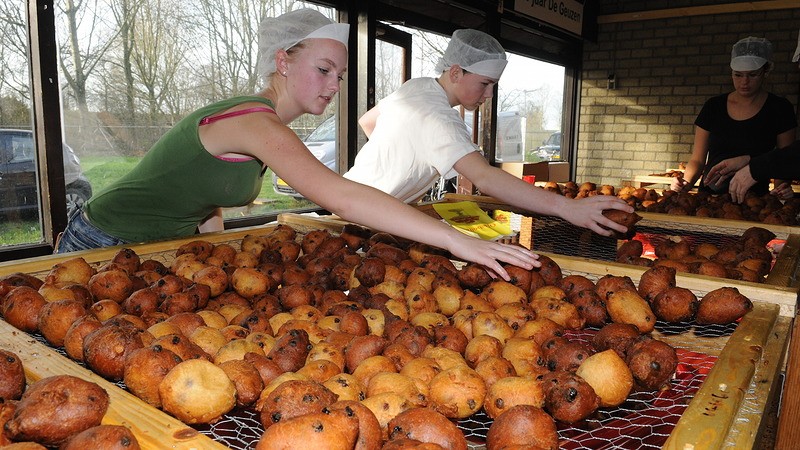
176	185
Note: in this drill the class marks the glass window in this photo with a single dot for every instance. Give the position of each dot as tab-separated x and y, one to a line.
20	218
531	97
142	66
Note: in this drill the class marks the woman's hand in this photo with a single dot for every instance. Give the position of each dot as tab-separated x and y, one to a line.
588	213
783	191
725	169
490	254
678	184
741	182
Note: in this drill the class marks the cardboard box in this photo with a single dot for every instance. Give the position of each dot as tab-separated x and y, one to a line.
543	171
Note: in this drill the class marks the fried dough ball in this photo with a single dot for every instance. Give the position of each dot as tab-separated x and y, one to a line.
675	304
77	332
373	366
106	437
74	270
245	378
81	405
609	376
21	308
501	292
397	383
573	284
652	362
540	330
508	392
291	350
457	392
711	269
144	370
181	346
494	368
369	430
608	284
591	308
629	307
106	349
427	426
559	311
486	322
675	248
617	337
346	387
629	250
549	270
334	429
569	397
12	376
723	305
56	317
385	407
656	280
197	391
522	426
16	279
112	284
474	276
626	219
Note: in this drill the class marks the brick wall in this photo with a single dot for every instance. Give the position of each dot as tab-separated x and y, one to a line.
665	70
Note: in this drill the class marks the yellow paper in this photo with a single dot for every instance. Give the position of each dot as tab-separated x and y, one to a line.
469	218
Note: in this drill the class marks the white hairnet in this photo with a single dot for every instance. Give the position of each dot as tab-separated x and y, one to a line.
750	54
288	29
474	51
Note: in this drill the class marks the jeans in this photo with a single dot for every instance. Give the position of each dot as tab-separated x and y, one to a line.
80	234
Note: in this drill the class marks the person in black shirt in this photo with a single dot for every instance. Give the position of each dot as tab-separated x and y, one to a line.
746	122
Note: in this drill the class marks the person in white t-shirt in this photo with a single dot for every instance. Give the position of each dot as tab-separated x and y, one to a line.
416	136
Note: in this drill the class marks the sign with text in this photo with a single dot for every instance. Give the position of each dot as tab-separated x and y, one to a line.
566	14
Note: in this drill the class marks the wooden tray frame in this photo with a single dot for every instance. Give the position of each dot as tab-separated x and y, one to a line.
747	371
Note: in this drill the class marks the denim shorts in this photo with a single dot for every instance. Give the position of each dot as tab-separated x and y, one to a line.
80	234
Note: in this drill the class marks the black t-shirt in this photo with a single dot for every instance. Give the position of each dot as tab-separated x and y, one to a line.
754	136
781	163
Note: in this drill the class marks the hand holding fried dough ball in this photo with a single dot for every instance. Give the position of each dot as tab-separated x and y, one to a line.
197	391
626	219
80	404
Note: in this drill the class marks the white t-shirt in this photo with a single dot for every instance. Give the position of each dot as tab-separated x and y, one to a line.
418	137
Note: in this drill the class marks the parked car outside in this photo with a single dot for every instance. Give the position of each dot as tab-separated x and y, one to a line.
550	148
322	144
19	190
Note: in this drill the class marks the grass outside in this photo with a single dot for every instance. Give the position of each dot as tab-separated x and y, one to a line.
103	170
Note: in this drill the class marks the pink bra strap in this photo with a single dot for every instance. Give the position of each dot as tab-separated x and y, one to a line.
208	119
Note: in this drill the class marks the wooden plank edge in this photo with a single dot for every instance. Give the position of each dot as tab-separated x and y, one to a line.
749	425
698	11
710	414
788	433
784	271
152	427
